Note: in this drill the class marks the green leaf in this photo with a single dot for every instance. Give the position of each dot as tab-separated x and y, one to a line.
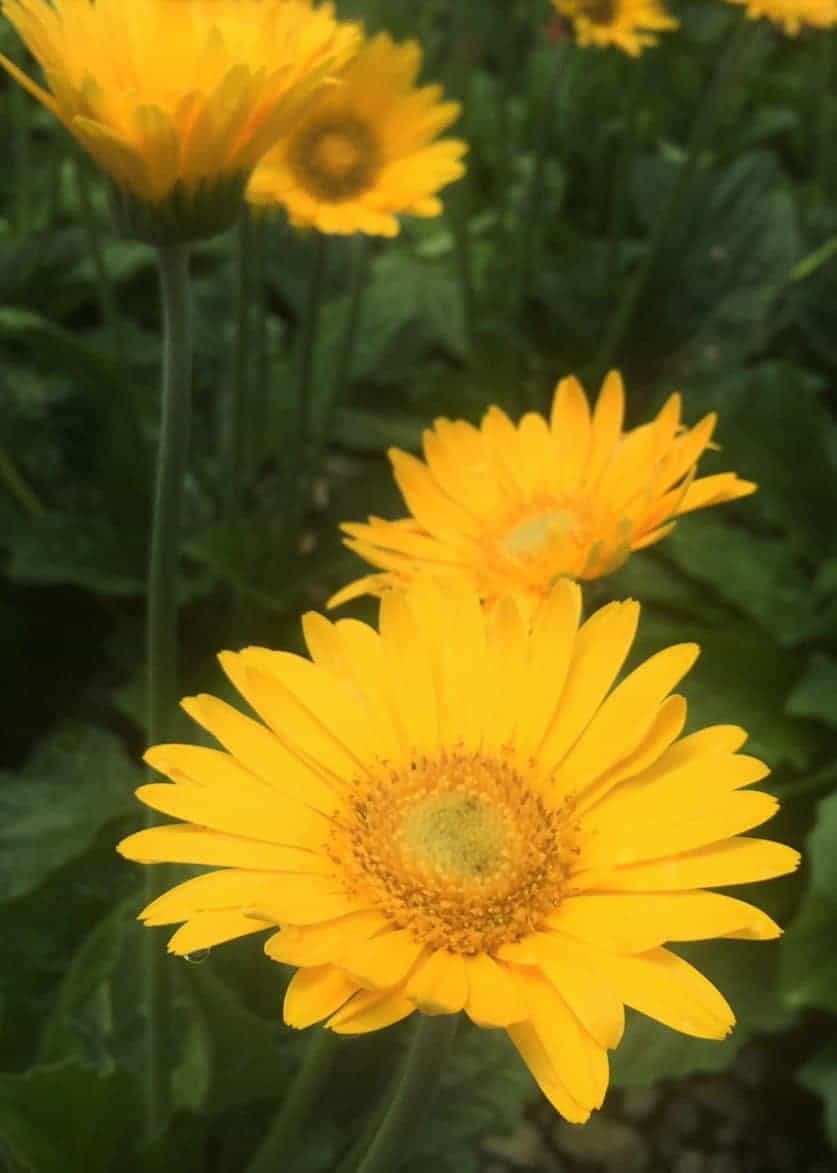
758	575
809	962
819	1075
68	1119
85	551
51	812
822	848
814	695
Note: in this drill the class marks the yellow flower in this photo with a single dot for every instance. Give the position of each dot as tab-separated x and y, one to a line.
364	153
178	99
462	812
792	15
629	25
516	508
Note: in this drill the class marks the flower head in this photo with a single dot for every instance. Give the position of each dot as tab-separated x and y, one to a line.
461	812
514	508
177	100
629	25
793	15
365	152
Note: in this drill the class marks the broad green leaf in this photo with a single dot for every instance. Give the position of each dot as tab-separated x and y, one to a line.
809	961
815	695
68	1119
85	551
52	811
822	848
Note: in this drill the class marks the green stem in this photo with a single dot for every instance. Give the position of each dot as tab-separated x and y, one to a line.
533	202
19	105
726	76
348	343
620	180
18	487
413	1094
459	210
231	438
162	629
277	1148
823	111
308	341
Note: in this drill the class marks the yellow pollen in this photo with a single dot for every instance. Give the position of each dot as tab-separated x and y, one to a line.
457	848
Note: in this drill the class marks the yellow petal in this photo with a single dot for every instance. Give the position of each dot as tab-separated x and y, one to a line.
666	987
539	1061
570	423
735	861
438	984
608	416
370	1010
584	988
317	944
186	843
628	922
314	994
438	513
383	961
552	646
493	996
213	892
207	929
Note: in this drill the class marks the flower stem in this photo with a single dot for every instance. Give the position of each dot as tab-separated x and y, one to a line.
162	628
620	180
231	434
726	76
348	343
308	341
18	487
534	197
413	1094
277	1148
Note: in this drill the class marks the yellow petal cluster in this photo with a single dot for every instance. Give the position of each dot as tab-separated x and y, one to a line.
516	507
368	151
177	94
463	811
792	16
627	25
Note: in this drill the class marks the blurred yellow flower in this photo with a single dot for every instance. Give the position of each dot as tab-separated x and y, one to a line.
364	153
792	15
629	25
175	98
514	508
461	812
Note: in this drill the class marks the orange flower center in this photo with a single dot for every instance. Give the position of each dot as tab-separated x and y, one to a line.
335	160
458	849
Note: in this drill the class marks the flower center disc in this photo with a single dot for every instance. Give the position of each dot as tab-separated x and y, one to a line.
599	11
336	160
458	849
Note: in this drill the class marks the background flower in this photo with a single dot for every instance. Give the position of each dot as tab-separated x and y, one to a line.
518	506
629	25
365	152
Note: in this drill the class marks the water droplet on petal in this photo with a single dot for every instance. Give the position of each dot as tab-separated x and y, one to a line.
198	957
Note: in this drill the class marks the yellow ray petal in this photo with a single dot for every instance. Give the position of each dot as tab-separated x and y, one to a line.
628	922
370	1010
227	890
570	423
664	986
493	995
314	994
324	942
382	962
608	416
438	984
429	504
736	861
584	987
552	647
535	1056
207	929
188	843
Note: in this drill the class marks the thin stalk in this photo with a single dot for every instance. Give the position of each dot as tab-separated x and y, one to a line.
310	330
531	212
620	181
726	74
824	111
261	345
413	1094
19	104
173	263
348	343
18	487
459	212
104	285
278	1147
231	438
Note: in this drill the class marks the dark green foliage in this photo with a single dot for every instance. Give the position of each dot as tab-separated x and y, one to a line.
738	313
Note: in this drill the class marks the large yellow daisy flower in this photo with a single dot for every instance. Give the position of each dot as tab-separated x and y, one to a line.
792	15
365	153
461	812
177	94
516	507
629	25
